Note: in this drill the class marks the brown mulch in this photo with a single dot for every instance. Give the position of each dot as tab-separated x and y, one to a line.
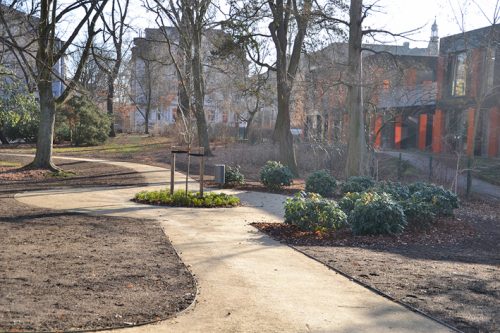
451	271
61	271
445	231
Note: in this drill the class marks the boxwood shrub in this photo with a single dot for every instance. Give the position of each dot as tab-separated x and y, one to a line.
275	175
321	182
375	214
190	199
357	184
311	212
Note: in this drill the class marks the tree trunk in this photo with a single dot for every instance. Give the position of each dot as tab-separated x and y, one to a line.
249	125
44	145
146	121
3	139
356	153
199	95
282	132
109	104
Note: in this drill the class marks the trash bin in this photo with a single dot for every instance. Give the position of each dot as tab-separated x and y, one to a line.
220	174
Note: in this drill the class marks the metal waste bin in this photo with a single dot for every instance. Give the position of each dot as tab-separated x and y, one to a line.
220	174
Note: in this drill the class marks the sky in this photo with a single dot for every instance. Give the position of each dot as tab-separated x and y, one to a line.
405	15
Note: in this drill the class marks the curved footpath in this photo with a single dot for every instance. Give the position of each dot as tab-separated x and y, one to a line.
247	281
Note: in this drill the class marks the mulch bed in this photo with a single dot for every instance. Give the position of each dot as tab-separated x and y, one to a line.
450	271
446	231
62	271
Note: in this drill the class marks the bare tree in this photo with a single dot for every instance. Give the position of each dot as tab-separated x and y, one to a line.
115	28
190	20
146	84
49	50
288	22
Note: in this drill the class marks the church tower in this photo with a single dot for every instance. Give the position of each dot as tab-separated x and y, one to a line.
433	47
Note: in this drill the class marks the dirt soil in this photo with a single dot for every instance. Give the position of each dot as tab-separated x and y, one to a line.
61	271
451	272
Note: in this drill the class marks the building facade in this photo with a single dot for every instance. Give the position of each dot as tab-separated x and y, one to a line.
20	29
467	115
154	83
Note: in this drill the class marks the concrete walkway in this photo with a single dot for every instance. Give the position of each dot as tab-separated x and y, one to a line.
421	162
247	281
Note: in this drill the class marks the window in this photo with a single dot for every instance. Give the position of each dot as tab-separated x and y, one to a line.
490	69
459	72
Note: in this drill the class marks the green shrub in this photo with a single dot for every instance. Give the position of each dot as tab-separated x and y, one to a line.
192	199
321	182
349	200
19	110
377	213
418	213
310	211
234	176
21	121
443	201
357	184
275	175
398	191
80	121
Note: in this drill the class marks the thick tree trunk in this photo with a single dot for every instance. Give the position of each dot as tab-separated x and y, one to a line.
282	133
44	145
199	95
3	139
356	153
109	104
286	69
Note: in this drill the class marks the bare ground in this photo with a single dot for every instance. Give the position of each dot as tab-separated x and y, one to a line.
451	271
61	271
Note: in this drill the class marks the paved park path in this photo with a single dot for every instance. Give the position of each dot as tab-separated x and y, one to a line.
247	281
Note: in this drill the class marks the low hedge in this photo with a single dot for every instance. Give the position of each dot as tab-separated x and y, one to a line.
190	199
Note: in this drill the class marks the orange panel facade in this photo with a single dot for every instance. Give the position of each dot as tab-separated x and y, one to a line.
398	131
437	132
422	132
470	131
377	131
440	76
494	128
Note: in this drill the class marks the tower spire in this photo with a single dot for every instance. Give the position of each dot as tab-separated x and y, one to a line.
433	47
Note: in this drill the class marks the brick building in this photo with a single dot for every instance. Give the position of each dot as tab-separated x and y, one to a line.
468	95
